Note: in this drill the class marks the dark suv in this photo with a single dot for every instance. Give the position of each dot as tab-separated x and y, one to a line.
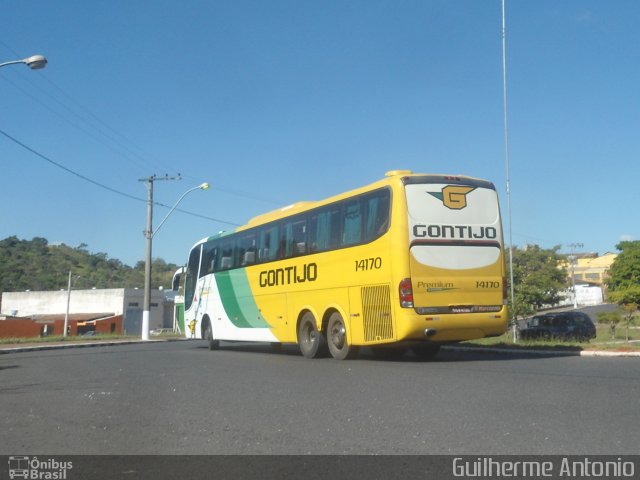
560	326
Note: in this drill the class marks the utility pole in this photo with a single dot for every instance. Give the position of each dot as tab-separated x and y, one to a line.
66	315
573	259
148	233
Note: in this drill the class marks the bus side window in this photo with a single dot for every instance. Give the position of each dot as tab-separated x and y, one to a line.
268	243
225	256
352	223
246	247
312	225
377	210
324	229
294	238
209	253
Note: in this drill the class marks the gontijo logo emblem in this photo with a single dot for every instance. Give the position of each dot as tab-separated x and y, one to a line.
453	196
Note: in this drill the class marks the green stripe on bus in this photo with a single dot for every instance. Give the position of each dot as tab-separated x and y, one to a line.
238	301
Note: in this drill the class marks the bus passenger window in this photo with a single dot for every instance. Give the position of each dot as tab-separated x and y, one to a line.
225	256
294	238
377	211
209	254
268	243
352	222
324	230
246	246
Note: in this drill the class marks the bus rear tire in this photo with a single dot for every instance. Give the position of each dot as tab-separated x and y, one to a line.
312	343
337	338
208	335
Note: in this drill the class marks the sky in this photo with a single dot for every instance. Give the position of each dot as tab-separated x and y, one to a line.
283	101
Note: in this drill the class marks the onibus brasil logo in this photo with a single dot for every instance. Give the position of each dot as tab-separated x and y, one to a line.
34	468
453	196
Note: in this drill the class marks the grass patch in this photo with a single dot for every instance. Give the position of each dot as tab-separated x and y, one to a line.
603	341
166	335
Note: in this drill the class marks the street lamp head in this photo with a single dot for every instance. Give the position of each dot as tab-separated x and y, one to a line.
36	62
204	186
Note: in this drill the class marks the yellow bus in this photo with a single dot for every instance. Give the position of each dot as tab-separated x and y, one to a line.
412	261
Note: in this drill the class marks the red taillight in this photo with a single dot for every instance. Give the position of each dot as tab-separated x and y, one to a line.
406	293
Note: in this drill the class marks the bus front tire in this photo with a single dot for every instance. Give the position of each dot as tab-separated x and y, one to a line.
337	338
312	343
208	335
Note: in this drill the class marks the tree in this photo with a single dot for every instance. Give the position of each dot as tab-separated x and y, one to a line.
612	319
615	317
539	277
624	275
36	265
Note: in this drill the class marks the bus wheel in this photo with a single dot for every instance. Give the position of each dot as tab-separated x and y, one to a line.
337	338
312	342
426	352
208	335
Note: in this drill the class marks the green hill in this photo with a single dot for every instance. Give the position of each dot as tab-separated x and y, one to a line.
36	265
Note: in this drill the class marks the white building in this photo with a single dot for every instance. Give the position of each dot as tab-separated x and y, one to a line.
585	295
118	301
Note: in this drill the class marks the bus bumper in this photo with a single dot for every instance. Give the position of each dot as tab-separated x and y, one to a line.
453	327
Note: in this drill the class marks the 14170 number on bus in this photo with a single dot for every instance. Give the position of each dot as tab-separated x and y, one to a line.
372	263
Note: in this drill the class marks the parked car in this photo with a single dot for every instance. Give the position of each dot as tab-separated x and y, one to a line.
560	326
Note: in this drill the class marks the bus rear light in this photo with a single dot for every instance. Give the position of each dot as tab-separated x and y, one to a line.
406	293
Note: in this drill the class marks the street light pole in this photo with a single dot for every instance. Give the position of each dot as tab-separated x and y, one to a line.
34	62
573	259
202	186
149	234
508	164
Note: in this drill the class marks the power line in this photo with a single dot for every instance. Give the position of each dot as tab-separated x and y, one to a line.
116	146
102	185
109	137
116	141
97	124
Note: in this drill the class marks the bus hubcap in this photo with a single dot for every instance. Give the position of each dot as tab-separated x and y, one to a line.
338	334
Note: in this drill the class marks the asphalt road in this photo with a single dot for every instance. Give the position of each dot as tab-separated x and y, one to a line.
180	398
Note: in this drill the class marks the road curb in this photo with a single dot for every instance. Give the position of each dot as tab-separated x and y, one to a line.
62	346
548	353
502	351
